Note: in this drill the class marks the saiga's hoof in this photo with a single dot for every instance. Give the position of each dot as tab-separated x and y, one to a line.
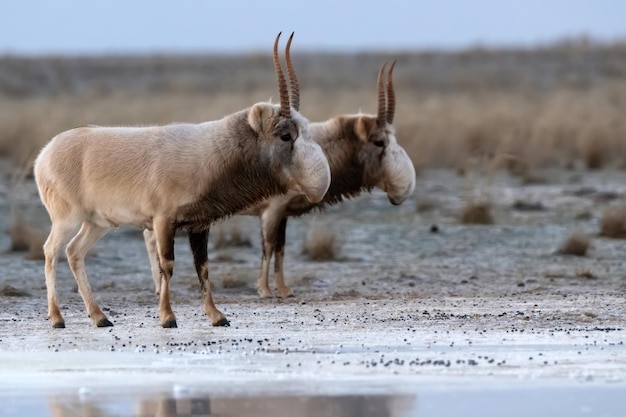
222	322
104	322
170	324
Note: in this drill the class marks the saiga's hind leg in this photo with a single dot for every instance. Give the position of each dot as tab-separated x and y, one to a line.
60	233
151	246
164	234
279	256
198	241
269	228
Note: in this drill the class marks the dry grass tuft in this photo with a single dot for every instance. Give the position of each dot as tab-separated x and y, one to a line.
594	156
233	237
321	244
576	244
223	257
585	273
25	237
18	233
476	213
479	177
231	280
613	222
11	291
106	285
425	205
583	215
516	167
346	295
531	178
595	144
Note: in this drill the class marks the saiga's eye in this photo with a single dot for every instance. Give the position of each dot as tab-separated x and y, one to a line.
286	137
379	143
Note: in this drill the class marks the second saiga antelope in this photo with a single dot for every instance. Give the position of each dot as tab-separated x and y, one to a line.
362	152
163	178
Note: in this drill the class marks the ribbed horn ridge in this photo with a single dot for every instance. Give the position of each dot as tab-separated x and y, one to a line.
282	83
391	96
382	107
295	90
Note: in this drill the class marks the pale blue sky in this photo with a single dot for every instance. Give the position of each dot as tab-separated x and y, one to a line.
148	26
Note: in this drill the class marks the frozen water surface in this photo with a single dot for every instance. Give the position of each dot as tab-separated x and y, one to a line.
557	402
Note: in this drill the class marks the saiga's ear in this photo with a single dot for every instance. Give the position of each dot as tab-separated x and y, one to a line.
260	116
363	127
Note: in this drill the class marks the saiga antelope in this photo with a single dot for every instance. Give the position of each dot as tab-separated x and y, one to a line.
163	178
363	153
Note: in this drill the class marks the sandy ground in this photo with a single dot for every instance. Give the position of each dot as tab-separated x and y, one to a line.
475	313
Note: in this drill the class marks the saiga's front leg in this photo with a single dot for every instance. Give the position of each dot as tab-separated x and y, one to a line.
76	251
198	241
164	234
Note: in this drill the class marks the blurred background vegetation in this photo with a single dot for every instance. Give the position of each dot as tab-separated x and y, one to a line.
476	111
561	104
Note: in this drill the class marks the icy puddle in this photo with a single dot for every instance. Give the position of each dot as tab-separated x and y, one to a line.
339	370
181	401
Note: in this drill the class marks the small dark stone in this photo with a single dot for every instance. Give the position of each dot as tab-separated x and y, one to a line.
605	196
528	206
521	284
434	228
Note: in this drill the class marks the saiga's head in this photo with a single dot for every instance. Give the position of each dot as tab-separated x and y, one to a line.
387	165
296	160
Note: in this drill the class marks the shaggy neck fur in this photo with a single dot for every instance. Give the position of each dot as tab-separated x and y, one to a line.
348	173
342	147
246	178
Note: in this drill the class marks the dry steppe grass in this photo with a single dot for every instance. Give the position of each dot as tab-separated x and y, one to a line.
613	222
576	244
559	104
230	235
28	238
476	111
233	280
321	244
476	213
10	291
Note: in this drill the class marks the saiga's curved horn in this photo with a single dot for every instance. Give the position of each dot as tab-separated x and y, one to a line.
295	90
391	96
382	107
282	83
